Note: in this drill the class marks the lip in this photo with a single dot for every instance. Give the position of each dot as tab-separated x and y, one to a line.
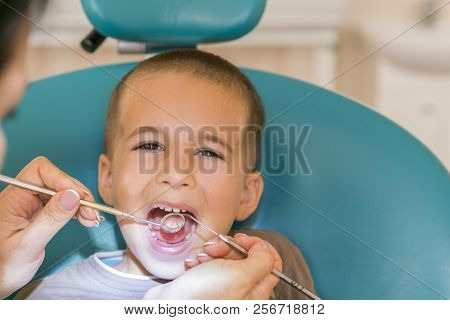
167	248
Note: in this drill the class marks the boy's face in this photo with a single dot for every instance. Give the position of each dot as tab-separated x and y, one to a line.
183	150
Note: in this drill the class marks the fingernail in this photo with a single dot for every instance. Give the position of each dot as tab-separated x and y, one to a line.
191	262
102	218
85	191
79	185
210	242
202	254
69	199
240	234
192	257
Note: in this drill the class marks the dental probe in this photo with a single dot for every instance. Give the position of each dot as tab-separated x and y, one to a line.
234	244
94	205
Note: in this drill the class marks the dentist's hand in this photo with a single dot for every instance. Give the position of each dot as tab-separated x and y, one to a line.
28	220
230	278
218	249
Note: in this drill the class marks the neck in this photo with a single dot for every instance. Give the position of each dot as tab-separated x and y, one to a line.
131	265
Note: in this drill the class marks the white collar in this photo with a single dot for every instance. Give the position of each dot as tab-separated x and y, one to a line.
119	254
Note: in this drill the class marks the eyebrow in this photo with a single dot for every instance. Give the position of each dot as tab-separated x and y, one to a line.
216	139
140	130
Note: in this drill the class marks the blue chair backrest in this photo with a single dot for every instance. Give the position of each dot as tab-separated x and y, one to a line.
372	216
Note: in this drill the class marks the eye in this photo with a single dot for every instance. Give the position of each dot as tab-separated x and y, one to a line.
209	153
151	146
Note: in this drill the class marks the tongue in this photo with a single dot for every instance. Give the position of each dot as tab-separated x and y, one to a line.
173	237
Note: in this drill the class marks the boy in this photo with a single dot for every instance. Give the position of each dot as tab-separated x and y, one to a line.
182	136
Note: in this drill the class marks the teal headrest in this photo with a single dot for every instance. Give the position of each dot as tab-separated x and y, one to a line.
174	22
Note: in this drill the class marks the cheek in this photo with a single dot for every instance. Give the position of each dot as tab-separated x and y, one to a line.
130	181
222	193
127	183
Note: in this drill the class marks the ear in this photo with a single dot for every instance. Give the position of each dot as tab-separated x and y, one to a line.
105	179
253	189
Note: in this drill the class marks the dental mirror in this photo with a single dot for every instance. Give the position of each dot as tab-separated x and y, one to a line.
161	218
172	222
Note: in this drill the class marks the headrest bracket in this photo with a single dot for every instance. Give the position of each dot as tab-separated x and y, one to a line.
130	47
92	41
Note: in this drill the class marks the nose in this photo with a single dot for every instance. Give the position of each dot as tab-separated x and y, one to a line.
176	172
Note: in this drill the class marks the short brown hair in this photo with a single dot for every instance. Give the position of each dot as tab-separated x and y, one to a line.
204	65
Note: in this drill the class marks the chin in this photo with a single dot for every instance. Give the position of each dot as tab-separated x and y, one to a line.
165	265
164	270
161	254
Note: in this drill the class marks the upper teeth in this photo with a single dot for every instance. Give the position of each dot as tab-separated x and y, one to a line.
169	209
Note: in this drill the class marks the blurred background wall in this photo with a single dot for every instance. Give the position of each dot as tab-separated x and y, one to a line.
385	54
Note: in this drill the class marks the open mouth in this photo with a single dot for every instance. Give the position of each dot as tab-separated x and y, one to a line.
165	241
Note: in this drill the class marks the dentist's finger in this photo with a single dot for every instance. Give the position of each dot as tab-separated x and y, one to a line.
248	241
87	216
203	257
258	268
192	259
42	172
87	222
48	221
219	249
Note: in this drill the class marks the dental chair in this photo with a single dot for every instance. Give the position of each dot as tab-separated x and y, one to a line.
369	206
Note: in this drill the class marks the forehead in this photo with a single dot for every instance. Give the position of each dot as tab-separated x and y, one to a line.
171	99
